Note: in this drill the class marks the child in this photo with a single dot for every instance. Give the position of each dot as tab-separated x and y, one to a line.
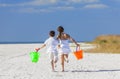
64	49
51	44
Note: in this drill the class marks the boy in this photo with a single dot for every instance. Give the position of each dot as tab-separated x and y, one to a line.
51	44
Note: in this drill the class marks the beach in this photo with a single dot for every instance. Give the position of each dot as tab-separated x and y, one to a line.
15	63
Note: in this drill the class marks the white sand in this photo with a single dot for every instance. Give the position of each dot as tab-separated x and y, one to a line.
16	64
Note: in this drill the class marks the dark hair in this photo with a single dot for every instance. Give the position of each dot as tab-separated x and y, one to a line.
60	29
52	33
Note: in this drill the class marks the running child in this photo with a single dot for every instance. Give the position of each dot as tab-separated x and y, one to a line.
51	44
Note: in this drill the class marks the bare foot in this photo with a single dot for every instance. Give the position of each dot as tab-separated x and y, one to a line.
62	70
53	70
66	60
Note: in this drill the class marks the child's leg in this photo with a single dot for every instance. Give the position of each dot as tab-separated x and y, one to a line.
55	57
66	58
52	64
52	61
62	62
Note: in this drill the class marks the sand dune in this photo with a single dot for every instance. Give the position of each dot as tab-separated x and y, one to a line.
16	64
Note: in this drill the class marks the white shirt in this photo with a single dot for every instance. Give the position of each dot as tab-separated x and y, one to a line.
51	44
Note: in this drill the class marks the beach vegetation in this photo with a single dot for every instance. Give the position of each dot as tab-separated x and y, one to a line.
106	44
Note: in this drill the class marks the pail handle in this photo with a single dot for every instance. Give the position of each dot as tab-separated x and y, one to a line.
77	48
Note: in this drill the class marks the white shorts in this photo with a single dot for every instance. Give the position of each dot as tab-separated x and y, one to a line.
53	56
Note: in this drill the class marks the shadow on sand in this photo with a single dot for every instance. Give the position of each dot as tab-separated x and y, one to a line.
110	70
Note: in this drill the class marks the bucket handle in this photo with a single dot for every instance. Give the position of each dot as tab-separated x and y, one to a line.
77	48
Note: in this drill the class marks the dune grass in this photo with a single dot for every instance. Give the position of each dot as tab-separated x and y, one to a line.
106	44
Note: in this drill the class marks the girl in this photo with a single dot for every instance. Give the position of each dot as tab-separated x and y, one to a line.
64	48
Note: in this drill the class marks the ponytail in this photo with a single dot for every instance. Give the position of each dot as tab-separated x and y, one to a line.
59	35
60	29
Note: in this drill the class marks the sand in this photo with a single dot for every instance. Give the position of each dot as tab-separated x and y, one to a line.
15	63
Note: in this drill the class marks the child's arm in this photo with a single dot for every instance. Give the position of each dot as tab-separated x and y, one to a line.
37	49
73	40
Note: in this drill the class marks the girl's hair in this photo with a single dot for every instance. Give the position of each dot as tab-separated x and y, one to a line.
60	29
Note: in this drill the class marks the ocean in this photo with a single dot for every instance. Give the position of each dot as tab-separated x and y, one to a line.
20	42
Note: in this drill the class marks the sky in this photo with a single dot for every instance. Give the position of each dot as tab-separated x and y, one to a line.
83	20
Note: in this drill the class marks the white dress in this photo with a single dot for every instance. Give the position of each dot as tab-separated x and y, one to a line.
64	47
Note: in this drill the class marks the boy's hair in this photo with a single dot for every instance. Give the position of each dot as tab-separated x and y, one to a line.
52	33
